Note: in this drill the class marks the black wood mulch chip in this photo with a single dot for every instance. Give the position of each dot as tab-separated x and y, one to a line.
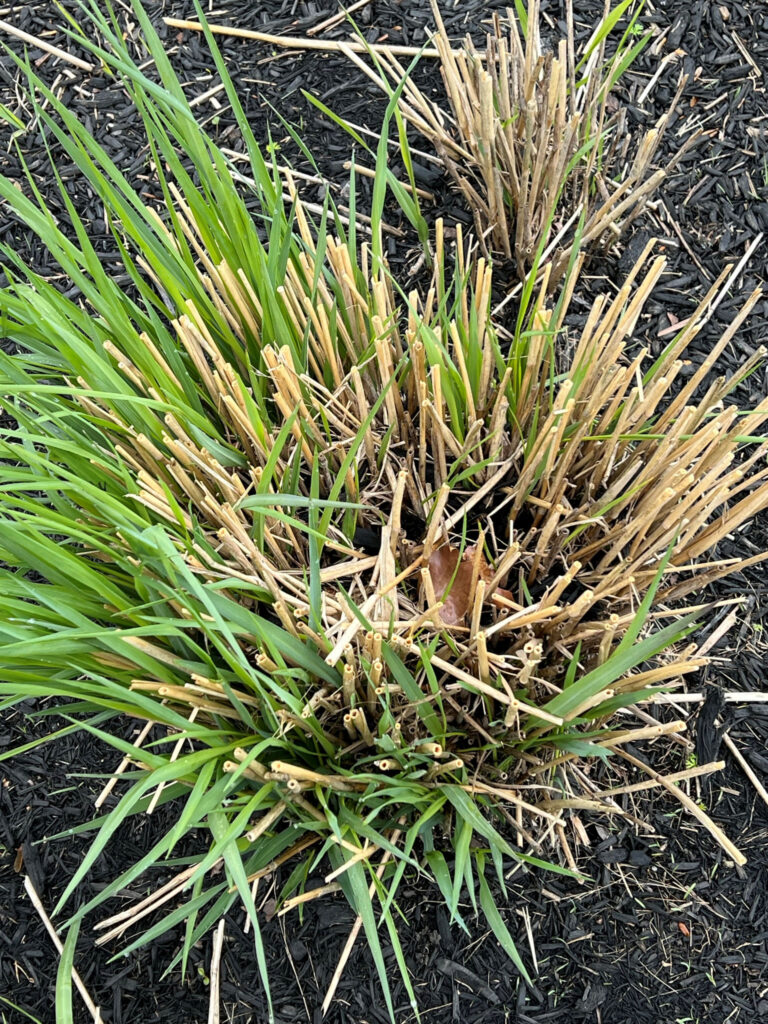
666	931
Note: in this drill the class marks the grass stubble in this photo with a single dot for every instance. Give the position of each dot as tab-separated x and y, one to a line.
537	139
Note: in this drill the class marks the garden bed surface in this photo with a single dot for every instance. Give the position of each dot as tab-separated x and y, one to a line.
666	930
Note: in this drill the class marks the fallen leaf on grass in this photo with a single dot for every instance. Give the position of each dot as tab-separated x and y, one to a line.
446	564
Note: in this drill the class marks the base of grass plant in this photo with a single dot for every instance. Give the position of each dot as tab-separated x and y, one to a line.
197	463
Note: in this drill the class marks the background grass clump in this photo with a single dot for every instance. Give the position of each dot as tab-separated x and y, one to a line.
381	578
535	136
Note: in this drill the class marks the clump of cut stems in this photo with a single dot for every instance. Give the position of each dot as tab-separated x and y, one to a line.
373	573
537	140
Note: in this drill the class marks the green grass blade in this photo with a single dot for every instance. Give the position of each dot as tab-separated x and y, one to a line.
64	977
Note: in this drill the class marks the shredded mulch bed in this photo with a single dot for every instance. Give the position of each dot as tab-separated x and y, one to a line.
667	931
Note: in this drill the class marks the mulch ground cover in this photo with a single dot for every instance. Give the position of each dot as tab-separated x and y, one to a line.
666	931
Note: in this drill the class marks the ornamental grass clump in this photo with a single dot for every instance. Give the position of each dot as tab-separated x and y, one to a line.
537	139
382	581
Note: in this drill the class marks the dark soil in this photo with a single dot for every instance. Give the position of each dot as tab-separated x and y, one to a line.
667	931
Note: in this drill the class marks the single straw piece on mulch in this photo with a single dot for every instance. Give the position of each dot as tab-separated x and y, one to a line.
215	974
299	43
336	19
174	757
714	830
121	767
369	172
730	697
730	619
746	768
596	798
307	897
37	904
42	45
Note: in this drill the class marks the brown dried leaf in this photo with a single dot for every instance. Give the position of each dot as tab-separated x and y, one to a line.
442	566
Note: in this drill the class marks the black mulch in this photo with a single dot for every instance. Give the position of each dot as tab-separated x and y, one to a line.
667	931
